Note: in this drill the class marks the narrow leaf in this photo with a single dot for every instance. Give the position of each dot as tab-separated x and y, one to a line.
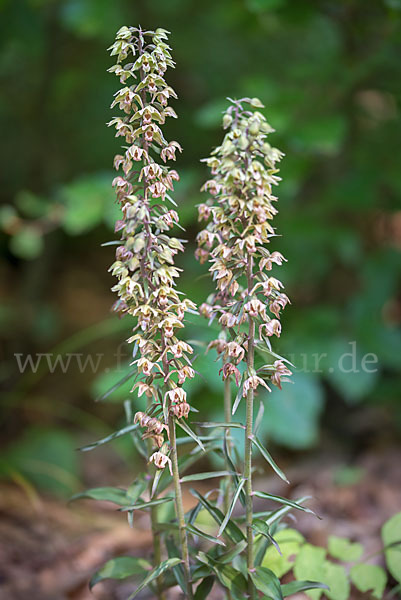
285	501
109	438
189	431
231	507
155	573
208	475
294	587
145	505
232	530
195	531
262	528
267	456
233	552
219	424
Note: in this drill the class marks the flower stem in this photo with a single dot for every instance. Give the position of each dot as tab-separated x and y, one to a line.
227	418
157	556
180	506
248	441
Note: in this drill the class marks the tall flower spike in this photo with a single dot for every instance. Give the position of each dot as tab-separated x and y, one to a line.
144	264
248	301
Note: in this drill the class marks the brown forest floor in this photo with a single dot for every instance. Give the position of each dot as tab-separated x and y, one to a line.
49	549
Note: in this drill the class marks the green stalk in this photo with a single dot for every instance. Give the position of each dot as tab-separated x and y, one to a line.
179	506
227	419
156	540
248	442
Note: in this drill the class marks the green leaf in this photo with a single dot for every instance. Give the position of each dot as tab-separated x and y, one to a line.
232	530
266	582
309	565
85	200
155	573
189	431
294	412
290	542
261	528
150	503
27	243
109	438
294	587
285	501
232	579
369	578
208	475
216	424
173	552
336	578
211	538
267	456
204	588
109	494
233	552
343	549
231	507
120	568
391	534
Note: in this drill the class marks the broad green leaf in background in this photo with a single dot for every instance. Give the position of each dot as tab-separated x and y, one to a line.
27	243
46	457
369	578
391	534
343	549
120	568
293	412
309	564
290	542
85	201
335	577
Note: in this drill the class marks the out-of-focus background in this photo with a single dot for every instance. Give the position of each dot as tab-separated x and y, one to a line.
329	73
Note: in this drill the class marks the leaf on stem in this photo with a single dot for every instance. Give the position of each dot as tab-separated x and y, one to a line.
120	568
268	457
109	438
285	501
155	573
266	582
231	507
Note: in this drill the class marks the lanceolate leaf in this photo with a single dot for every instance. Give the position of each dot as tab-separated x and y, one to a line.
232	530
295	587
262	528
267	583
231	508
120	568
285	501
211	538
189	432
266	455
178	571
166	564
109	438
204	588
110	494
228	556
223	425
145	505
208	475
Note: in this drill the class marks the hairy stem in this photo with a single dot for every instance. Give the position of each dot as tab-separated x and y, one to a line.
248	440
227	418
180	506
157	554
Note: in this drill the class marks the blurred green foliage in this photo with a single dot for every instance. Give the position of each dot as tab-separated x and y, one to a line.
330	76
